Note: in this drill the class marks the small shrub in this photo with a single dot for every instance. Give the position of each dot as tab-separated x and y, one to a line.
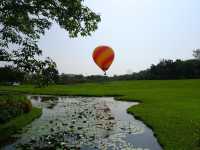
27	106
13	106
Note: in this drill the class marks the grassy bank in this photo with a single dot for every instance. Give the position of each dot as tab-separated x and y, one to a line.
170	107
17	123
12	106
15	112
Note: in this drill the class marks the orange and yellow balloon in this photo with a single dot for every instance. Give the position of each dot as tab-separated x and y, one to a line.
103	56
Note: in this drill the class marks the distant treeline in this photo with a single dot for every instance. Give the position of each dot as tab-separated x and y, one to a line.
11	74
167	69
164	70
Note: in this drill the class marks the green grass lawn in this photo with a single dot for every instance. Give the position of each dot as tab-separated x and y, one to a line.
171	107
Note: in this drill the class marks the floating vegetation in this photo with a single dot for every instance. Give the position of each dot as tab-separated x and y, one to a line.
82	123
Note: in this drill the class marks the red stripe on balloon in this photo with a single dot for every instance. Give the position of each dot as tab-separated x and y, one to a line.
99	51
106	61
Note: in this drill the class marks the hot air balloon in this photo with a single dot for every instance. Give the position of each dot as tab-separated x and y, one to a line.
103	56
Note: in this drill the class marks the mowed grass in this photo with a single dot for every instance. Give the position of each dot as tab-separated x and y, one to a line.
170	107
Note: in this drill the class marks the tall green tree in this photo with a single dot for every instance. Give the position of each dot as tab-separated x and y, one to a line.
22	22
196	54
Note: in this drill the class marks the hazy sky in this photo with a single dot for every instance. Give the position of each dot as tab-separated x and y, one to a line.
141	32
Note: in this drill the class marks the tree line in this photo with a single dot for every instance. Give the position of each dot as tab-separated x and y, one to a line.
167	69
164	70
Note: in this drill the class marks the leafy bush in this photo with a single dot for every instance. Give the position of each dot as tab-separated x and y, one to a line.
13	106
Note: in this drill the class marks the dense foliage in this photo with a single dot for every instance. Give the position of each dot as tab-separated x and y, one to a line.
196	54
9	74
22	22
169	69
73	78
12	106
165	69
46	74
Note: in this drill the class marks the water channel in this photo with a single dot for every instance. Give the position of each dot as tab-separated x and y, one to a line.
86	123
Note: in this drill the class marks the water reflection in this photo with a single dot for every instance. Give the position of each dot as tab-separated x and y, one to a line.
84	123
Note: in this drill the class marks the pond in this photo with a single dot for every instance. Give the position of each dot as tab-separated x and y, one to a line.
86	123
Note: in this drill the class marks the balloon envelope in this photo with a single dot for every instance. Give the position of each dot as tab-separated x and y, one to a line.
103	56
